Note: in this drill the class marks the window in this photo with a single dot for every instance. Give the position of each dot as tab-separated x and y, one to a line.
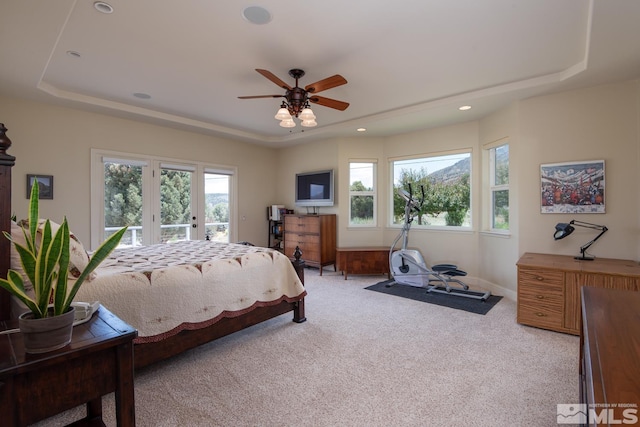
160	200
446	181
499	186
362	194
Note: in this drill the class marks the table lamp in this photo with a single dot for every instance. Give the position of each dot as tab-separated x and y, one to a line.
564	229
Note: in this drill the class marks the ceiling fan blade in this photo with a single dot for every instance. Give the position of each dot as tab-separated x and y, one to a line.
325	84
260	96
328	102
273	78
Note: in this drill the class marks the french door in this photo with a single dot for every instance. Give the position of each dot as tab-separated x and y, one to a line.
160	200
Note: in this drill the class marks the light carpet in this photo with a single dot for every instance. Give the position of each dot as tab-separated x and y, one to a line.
363	359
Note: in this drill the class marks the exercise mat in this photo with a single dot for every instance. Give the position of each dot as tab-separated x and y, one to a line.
446	300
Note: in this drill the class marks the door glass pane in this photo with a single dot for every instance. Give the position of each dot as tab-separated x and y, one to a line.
216	193
123	201
175	205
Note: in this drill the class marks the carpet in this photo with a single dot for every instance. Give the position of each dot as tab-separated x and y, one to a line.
446	300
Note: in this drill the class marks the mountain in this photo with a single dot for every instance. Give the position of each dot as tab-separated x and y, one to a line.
452	173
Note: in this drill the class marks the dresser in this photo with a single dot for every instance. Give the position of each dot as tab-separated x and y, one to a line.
610	356
316	237
549	287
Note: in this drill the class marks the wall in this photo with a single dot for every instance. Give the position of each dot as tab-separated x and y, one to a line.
597	123
57	141
309	157
362	149
498	253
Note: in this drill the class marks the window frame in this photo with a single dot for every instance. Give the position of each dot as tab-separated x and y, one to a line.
425	157
493	188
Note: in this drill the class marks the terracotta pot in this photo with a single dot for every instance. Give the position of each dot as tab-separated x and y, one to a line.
48	333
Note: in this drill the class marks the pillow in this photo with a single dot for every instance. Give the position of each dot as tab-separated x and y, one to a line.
78	256
15	264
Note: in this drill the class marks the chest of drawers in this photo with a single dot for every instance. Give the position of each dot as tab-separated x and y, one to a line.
315	235
549	287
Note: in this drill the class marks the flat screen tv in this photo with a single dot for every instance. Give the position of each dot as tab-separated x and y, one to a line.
314	188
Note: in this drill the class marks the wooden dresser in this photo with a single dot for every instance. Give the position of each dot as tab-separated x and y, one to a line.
316	237
549	287
610	356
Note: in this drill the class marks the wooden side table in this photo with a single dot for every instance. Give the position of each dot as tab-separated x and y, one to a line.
609	347
363	260
98	361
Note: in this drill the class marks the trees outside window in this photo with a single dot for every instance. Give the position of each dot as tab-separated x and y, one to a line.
447	189
362	194
499	186
160	200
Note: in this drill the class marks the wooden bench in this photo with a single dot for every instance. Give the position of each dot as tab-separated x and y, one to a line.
363	260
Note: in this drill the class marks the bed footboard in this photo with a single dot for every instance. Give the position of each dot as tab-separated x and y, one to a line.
148	353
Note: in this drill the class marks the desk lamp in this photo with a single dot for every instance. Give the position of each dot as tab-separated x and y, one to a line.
564	229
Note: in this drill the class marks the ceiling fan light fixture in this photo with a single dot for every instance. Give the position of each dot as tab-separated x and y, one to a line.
288	123
283	114
297	99
307	115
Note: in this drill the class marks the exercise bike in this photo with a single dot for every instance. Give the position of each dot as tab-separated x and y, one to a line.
408	267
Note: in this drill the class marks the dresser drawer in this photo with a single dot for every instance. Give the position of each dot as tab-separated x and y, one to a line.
302	224
541	294
540	302
301	239
542	316
310	253
541	276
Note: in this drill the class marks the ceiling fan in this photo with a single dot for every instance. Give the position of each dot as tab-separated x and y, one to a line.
297	98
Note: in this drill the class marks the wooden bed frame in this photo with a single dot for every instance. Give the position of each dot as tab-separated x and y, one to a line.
144	353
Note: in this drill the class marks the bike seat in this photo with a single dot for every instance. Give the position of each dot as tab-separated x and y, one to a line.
448	269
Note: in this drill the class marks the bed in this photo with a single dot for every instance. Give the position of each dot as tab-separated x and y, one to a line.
178	295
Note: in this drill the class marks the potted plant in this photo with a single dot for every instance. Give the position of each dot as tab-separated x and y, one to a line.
45	262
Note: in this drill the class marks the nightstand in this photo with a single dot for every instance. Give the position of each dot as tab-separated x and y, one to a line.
98	361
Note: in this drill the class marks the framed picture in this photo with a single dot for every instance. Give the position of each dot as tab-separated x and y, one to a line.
573	187
46	185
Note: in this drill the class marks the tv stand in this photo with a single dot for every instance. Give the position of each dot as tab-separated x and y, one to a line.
313	210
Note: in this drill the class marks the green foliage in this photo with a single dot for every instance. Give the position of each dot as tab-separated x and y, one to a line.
46	264
122	195
361	206
453	198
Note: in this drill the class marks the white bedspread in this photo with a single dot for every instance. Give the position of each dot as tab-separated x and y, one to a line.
162	289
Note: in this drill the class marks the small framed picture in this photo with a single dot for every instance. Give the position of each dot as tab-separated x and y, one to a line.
45	183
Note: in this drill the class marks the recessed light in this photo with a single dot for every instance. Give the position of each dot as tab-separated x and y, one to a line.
465	108
142	95
103	7
361	130
256	15
74	54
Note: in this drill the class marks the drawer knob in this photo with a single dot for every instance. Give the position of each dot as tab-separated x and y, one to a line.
540	296
540	278
540	314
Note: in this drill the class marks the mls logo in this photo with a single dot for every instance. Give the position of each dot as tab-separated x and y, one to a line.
575	413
